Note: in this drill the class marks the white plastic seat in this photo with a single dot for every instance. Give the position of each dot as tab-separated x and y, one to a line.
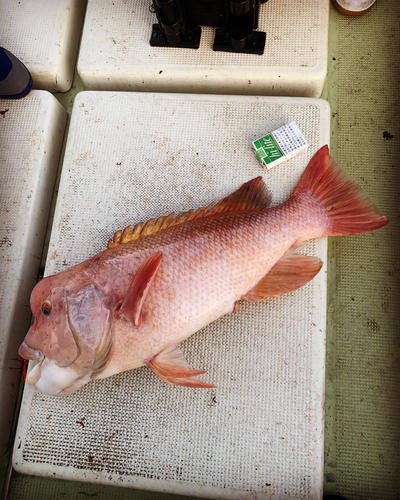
115	53
31	134
44	35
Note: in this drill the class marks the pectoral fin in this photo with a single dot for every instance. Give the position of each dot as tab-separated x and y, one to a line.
171	366
131	307
291	272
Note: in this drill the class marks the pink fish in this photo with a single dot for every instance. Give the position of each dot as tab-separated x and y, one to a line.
160	282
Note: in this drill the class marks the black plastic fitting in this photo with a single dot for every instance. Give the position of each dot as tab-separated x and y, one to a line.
236	21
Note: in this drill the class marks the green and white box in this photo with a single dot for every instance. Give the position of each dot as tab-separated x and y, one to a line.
279	145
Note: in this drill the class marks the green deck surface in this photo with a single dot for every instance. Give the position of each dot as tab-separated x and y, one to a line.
362	439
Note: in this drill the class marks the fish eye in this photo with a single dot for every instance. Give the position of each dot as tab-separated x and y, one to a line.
46	307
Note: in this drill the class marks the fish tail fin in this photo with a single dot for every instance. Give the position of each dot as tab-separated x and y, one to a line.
349	209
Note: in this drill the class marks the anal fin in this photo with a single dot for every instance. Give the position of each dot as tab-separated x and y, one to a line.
291	272
171	366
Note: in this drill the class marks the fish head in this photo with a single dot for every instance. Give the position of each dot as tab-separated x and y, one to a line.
70	337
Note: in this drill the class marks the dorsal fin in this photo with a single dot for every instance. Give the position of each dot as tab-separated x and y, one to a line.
252	195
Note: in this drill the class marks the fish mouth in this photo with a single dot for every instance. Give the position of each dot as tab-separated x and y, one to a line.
30	353
35	373
55	380
33	355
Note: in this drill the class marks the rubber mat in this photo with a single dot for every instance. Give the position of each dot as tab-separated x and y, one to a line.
44	35
132	156
31	134
115	53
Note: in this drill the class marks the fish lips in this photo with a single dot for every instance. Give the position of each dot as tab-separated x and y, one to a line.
29	353
35	374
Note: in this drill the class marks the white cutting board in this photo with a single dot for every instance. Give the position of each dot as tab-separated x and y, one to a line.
259	434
